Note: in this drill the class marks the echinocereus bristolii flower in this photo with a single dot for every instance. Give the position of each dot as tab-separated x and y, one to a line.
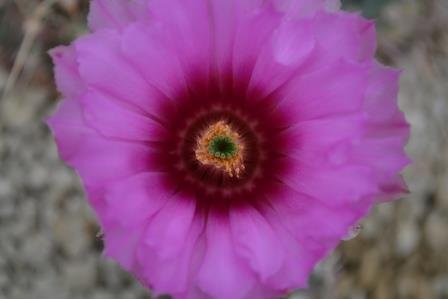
227	146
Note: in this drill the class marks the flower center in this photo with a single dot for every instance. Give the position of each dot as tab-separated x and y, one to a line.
220	146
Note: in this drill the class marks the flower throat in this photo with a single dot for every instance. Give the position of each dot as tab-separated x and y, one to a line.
220	146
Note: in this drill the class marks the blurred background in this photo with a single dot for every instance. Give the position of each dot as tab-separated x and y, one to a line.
49	247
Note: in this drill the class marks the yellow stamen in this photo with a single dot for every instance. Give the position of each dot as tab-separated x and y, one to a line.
230	157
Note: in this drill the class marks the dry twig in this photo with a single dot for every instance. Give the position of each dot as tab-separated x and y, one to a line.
32	28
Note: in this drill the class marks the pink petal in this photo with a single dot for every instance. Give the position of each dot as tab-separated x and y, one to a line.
178	255
256	241
222	274
96	159
134	200
387	132
380	99
111	119
317	226
263	292
225	20
120	244
160	65
115	14
320	161
193	293
67	76
188	30
292	43
332	185
320	135
337	89
101	160
303	8
386	157
279	61
120	233
345	35
298	259
103	67
68	127
169	228
251	36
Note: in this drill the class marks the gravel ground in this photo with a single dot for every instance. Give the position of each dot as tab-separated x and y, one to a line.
49	247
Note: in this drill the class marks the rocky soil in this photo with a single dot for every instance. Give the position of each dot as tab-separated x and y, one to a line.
49	247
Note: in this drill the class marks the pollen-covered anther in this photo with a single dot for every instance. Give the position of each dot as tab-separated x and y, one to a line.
221	146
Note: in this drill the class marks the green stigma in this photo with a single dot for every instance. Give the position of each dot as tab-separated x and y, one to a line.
222	147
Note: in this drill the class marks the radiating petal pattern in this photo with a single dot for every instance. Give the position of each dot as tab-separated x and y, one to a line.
227	146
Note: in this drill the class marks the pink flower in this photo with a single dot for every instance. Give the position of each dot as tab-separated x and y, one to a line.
228	145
